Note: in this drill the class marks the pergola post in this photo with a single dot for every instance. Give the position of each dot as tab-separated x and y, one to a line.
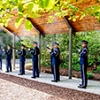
70	54
14	52
70	49
39	57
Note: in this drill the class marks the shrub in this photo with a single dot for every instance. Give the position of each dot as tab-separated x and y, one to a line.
75	62
98	69
90	75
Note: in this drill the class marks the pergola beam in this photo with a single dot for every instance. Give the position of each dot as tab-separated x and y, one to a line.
12	33
35	26
70	48
6	30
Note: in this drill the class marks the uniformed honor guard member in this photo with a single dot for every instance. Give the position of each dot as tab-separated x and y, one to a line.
0	58
35	52
55	62
8	58
51	59
83	63
22	54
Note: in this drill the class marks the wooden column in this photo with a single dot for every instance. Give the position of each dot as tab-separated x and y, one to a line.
14	52
39	57
70	54
70	49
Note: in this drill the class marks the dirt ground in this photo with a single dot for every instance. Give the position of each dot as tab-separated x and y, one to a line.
12	91
55	91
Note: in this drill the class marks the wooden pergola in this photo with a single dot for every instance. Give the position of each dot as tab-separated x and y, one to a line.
58	26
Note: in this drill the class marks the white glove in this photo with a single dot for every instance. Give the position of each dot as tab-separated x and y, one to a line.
3	49
49	50
79	50
29	49
16	50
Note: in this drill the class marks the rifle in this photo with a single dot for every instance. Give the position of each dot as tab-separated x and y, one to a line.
24	45
48	47
27	47
14	48
77	47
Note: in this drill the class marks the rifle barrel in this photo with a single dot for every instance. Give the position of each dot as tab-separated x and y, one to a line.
77	47
48	47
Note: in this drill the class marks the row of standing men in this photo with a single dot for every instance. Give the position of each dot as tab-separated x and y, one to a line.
54	55
55	61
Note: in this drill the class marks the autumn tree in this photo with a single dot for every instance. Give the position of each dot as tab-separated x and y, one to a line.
34	8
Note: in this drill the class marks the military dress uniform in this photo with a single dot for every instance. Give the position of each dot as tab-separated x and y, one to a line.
58	64
55	62
1	57
22	54
8	59
83	65
51	61
35	52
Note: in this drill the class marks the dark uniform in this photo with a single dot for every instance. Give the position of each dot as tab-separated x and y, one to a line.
8	59
55	62
35	52
22	54
58	64
0	57
84	64
51	61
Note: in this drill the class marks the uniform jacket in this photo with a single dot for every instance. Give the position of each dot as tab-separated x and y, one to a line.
22	54
8	54
0	53
35	52
55	53
84	56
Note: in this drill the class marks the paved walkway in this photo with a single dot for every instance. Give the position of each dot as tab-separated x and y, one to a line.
93	86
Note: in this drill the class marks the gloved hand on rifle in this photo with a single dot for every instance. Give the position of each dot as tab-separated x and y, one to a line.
3	49
49	49
29	49
78	48
17	50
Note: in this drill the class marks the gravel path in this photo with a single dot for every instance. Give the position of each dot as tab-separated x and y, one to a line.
12	91
24	89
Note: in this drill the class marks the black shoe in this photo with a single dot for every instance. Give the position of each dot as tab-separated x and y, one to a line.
33	77
20	74
82	86
7	71
54	80
37	76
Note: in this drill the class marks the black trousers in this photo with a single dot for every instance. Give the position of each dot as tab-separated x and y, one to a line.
22	68
0	63
35	69
84	74
8	65
55	71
